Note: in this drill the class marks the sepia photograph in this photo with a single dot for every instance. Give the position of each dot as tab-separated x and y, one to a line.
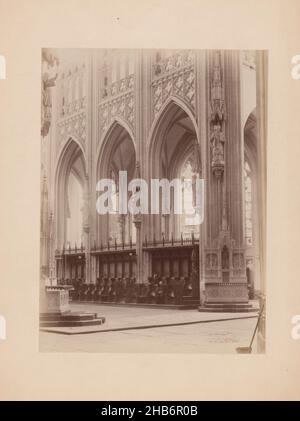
153	200
150	204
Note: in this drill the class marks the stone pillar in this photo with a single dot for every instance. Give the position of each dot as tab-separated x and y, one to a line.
51	251
44	229
225	268
89	149
139	150
86	237
93	140
145	157
201	107
139	248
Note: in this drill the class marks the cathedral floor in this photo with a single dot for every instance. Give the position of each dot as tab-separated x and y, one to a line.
149	330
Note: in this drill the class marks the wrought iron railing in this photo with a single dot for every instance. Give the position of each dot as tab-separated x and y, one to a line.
115	245
171	242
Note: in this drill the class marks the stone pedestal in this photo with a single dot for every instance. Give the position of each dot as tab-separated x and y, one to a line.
57	299
56	312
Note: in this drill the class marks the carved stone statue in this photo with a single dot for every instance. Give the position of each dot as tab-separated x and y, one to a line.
217	140
49	76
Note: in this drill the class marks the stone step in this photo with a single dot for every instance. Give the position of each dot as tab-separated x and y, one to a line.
213	305
191	303
166	306
67	317
73	323
190	297
227	303
227	309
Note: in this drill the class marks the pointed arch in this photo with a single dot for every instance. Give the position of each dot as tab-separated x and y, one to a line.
64	150
109	141
71	159
171	111
174	132
117	151
166	112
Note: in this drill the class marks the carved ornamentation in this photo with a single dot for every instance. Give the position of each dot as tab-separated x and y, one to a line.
217	140
73	107
173	63
217	118
233	292
75	126
121	106
238	261
49	76
174	76
211	261
118	88
117	101
181	84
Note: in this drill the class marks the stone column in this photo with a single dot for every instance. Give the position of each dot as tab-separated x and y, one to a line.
225	268
139	248
139	147
51	251
234	176
44	229
93	141
145	158
86	236
201	116
89	149
49	75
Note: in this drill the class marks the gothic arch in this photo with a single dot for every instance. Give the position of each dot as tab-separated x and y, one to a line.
117	124
165	114
117	151
173	133
109	143
63	150
71	160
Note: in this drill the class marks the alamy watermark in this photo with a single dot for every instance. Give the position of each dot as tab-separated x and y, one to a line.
295	72
2	327
295	333
178	196
2	67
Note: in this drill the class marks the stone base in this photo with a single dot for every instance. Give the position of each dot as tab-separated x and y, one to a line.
57	299
229	292
70	319
227	308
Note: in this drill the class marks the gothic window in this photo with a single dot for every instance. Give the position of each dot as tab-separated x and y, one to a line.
248	204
